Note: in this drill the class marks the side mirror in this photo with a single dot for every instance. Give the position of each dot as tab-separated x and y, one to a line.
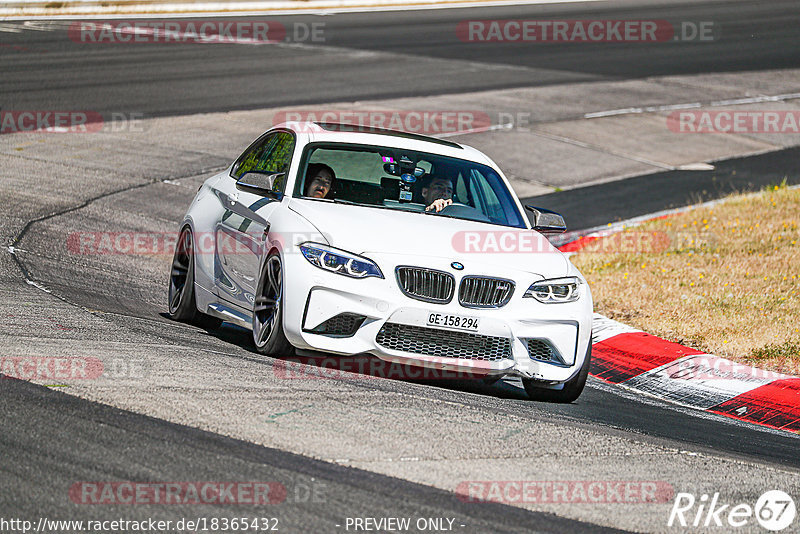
546	221
260	183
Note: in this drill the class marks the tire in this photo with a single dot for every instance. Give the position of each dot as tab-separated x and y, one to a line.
182	303
572	388
268	335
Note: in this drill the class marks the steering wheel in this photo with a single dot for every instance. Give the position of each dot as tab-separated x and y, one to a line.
464	211
454	204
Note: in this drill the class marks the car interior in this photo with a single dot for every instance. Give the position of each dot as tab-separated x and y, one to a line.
394	179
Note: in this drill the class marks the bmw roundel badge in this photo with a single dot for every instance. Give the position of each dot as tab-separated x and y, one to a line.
457	266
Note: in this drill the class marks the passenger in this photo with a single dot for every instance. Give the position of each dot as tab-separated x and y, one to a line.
319	181
437	192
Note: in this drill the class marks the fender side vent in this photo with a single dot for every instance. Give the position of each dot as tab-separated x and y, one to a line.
542	351
342	325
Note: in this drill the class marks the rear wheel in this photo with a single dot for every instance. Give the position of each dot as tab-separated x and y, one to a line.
572	388
268	334
182	304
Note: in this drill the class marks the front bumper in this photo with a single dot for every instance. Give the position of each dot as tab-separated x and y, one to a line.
396	327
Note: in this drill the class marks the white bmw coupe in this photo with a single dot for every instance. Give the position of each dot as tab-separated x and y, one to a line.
351	240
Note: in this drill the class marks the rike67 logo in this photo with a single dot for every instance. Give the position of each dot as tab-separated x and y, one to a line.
774	510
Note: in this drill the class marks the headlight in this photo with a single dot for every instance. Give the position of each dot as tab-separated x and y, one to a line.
555	290
339	262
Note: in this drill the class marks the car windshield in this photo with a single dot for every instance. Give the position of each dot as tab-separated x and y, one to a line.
400	179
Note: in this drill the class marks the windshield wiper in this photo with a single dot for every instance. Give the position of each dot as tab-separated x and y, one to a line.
440	214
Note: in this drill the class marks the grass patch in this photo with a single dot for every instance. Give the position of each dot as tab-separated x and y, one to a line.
723	279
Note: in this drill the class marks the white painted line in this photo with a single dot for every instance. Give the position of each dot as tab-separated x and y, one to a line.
646	109
671	107
691	105
756	99
609	113
10	28
696	167
37	285
37	26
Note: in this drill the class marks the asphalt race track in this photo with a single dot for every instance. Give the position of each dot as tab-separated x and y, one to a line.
317	491
381	55
589	207
204	406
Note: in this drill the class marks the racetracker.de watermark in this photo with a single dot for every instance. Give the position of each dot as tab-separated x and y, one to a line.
180	493
526	242
369	368
427	122
73	368
565	491
164	243
51	368
584	31
70	122
463	242
741	121
255	31
710	367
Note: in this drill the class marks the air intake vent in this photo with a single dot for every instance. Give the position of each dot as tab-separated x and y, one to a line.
427	285
542	352
342	325
443	343
482	292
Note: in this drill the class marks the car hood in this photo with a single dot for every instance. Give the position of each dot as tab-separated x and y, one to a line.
364	230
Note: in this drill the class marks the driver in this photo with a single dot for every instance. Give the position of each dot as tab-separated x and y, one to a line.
438	193
319	180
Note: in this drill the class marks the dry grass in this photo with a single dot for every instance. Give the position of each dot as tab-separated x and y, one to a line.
723	279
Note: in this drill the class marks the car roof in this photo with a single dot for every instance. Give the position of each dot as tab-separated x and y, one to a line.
365	135
354	128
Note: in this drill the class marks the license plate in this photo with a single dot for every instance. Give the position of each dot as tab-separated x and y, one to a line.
446	320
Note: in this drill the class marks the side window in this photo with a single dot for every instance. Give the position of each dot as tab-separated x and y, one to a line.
490	204
461	194
272	155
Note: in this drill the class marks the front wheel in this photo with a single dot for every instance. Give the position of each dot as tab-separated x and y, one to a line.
268	333
572	388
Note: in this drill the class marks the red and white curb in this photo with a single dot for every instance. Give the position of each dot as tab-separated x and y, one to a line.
672	372
682	375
